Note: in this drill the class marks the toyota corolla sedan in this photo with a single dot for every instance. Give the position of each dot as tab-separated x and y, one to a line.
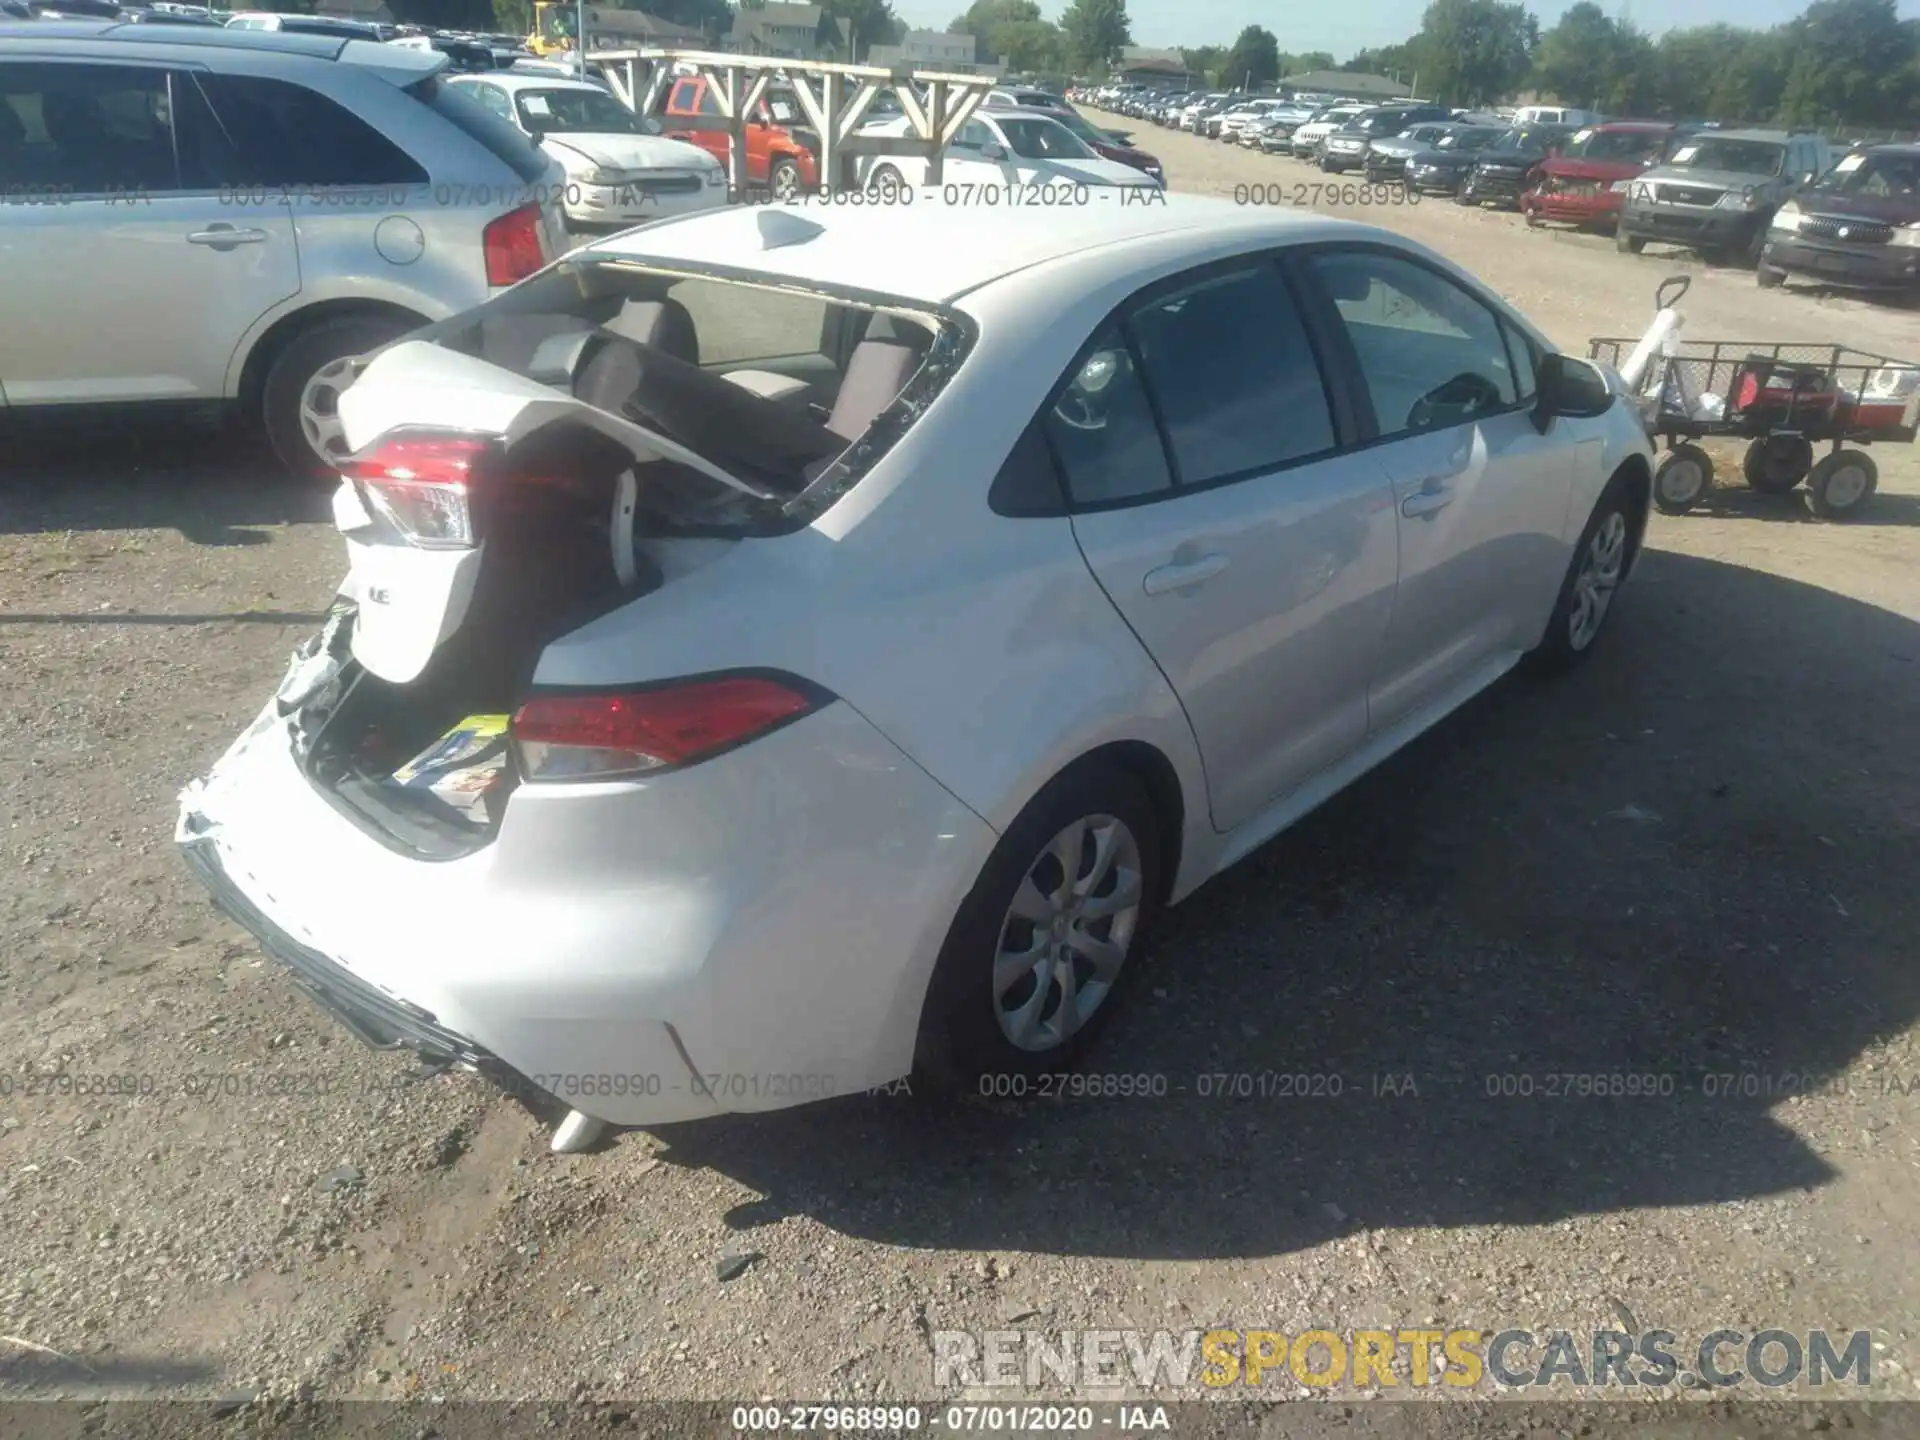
783	650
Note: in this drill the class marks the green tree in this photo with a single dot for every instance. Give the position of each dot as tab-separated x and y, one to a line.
1254	61
1096	32
1207	63
1014	29
513	17
1030	47
1474	52
1576	59
1303	63
1852	61
1719	72
1402	61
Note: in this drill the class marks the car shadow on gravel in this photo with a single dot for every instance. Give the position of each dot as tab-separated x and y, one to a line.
216	486
1735	502
33	1374
1684	872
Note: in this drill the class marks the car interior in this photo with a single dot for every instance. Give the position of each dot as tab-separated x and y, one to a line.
768	385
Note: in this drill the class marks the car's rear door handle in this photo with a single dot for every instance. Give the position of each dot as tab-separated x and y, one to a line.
1426	502
222	236
1183	575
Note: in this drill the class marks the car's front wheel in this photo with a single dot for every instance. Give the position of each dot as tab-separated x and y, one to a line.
1600	563
1036	957
783	180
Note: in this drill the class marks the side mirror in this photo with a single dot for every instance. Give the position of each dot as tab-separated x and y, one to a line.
993	150
1571	387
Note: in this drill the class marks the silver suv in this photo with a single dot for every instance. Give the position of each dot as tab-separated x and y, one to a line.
219	216
1717	191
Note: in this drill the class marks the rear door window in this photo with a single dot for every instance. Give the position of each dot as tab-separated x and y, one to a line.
86	130
287	135
1233	376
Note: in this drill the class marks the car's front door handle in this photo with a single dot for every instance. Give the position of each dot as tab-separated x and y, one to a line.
1183	575
222	236
1426	502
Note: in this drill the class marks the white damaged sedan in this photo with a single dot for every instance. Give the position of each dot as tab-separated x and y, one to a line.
787	649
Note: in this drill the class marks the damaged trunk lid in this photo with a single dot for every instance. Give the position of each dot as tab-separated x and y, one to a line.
438	439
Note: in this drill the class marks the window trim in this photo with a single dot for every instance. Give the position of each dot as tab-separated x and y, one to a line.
1348	359
1345	420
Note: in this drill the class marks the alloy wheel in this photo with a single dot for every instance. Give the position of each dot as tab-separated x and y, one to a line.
1598	578
1067	933
320	408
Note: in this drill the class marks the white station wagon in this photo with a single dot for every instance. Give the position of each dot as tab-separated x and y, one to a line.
784	649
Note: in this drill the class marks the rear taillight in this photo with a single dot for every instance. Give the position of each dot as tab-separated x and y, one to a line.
514	246
421	482
611	736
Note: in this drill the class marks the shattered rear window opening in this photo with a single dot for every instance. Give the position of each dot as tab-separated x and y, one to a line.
795	390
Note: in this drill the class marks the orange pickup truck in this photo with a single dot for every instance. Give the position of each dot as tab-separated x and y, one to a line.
783	155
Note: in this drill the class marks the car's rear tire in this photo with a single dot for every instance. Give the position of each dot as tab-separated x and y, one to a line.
886	184
1600	562
1683	479
1774	464
989	1012
1841	484
298	399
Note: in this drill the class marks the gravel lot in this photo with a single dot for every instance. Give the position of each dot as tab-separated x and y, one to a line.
1694	858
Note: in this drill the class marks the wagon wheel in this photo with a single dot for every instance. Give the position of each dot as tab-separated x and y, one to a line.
1776	463
1682	480
1841	484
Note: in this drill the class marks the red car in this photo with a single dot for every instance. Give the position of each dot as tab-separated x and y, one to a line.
1578	187
1110	144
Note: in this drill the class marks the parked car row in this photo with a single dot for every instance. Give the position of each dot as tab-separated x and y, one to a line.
1781	202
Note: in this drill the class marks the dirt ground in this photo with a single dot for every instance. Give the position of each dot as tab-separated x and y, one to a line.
1694	859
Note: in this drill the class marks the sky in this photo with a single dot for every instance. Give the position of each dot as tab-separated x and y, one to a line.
1364	24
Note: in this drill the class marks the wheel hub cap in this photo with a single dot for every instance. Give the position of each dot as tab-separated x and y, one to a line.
1598	577
1067	933
1846	486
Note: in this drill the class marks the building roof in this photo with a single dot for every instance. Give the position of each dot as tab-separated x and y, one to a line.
634	21
1152	65
749	23
933	252
1343	82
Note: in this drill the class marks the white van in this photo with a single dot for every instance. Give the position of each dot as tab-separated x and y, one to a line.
1553	115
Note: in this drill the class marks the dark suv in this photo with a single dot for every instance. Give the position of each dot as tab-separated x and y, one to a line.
1512	165
1858	226
1346	148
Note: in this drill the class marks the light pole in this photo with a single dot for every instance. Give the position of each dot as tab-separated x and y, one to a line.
580	35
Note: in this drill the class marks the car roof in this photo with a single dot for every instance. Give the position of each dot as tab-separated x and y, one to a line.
1773	137
933	252
372	54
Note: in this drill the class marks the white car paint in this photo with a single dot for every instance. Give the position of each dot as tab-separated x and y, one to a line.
778	911
1307	136
984	157
612	179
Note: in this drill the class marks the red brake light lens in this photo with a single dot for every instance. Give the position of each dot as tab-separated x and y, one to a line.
513	246
604	737
422	483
